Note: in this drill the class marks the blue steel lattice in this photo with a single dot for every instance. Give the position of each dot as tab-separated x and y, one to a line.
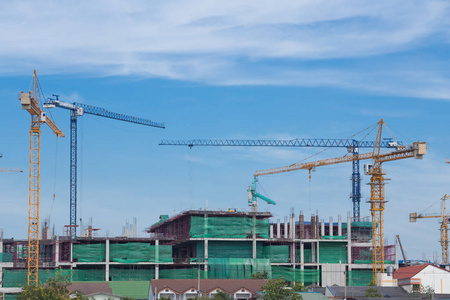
77	110
351	144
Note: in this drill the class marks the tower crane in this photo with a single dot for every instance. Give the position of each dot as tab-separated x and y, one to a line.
352	146
444	216
253	195
31	102
78	110
377	200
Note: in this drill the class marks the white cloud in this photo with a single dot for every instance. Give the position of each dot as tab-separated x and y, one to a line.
230	42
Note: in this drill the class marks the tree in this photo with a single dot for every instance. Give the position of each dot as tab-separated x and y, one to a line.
299	287
277	289
221	295
54	289
259	275
373	293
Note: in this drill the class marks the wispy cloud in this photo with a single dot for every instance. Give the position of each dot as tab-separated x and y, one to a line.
304	43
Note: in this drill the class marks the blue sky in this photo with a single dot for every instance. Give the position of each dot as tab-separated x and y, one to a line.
223	69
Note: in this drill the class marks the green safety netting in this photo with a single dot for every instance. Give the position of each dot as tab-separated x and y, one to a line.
132	289
277	253
358	224
131	273
232	227
140	252
89	252
18	277
88	274
230	250
236	268
332	252
6	257
359	277
191	273
307	255
307	276
369	261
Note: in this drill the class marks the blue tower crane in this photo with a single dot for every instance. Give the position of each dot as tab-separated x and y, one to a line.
78	110
352	146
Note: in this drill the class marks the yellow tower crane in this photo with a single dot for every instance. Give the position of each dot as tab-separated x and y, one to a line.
377	200
31	102
444	226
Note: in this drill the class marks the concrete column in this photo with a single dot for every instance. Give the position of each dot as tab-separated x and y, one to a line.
206	254
285	228
278	229
302	257
107	261
349	243
318	252
293	254
339	226
271	231
157	259
330	233
293	225
71	251
322	228
1	281
57	253
1	245
254	237
313	252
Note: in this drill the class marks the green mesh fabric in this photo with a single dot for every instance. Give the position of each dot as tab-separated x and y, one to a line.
130	273
277	253
6	257
231	227
132	289
307	255
236	268
358	224
369	261
230	249
18	277
89	252
92	274
307	276
139	252
332	253
191	273
359	277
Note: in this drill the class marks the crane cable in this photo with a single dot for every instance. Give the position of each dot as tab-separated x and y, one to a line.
339	143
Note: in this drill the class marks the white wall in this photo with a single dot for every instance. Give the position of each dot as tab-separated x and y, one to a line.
437	278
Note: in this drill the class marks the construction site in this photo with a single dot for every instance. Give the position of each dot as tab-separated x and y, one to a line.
315	250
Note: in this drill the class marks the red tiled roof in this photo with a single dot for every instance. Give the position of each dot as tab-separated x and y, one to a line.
409	272
86	288
208	285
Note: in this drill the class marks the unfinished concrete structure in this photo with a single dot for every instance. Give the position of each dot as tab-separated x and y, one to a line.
210	244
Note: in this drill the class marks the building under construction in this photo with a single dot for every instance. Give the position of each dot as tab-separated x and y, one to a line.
209	244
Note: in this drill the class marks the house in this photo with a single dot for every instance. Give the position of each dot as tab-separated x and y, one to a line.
355	292
416	278
93	290
181	289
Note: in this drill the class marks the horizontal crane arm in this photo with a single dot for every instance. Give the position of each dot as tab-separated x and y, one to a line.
417	150
282	143
93	110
